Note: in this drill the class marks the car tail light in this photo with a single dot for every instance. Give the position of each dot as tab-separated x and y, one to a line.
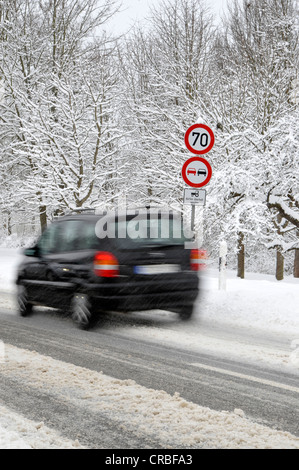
198	260
105	264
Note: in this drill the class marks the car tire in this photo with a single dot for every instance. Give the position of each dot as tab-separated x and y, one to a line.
81	310
186	312
25	307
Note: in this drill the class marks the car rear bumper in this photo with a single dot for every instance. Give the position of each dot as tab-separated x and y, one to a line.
165	295
164	301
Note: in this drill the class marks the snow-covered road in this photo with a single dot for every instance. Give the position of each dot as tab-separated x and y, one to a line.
255	319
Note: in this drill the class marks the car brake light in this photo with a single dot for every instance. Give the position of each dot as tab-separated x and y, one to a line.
198	260
105	264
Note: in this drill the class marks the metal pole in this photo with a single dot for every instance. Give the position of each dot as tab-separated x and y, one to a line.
192	217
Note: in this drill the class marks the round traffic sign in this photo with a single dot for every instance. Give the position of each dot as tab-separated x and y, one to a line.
199	139
196	172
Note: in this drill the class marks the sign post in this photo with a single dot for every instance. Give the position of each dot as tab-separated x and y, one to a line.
196	171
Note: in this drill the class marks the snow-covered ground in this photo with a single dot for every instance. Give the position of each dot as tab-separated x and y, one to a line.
256	305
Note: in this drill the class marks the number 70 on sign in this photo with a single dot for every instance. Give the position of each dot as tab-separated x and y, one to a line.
199	139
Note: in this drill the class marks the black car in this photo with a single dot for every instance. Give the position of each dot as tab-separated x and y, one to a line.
87	264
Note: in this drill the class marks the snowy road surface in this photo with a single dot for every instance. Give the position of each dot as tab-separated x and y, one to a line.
227	379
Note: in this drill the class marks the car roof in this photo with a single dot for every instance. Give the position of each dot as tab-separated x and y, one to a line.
93	216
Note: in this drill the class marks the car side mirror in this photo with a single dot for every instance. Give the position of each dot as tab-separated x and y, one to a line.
33	251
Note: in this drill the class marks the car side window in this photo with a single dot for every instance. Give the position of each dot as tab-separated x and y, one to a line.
88	239
69	236
48	242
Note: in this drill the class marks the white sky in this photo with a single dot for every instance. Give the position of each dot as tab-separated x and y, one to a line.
136	10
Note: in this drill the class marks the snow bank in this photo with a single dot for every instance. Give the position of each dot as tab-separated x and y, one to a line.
9	260
259	301
17	432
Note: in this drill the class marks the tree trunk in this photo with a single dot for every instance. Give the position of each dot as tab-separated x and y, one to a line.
241	256
7	225
296	263
43	218
279	265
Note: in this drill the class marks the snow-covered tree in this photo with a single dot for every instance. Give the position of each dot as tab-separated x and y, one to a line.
57	81
257	170
165	71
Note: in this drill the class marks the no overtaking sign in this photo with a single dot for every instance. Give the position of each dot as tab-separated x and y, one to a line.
196	172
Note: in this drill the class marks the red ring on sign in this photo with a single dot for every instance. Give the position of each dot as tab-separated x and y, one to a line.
211	134
184	172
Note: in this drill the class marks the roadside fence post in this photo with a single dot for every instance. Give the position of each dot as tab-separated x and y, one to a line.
222	265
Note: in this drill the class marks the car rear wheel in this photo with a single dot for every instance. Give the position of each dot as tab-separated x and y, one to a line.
186	312
25	307
81	310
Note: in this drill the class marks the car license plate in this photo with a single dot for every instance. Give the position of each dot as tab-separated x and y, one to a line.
157	269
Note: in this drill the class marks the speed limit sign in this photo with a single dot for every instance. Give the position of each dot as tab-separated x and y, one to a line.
199	139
